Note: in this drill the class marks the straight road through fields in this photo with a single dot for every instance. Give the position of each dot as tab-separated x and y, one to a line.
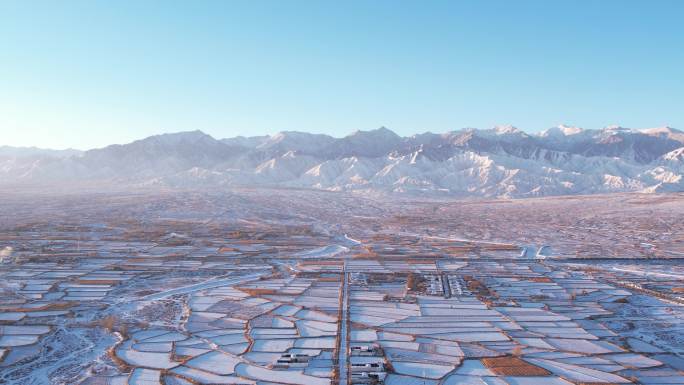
343	352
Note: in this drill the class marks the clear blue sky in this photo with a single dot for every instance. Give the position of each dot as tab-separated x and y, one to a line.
89	73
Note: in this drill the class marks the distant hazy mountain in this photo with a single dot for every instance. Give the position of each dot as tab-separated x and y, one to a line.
30	152
20	163
498	162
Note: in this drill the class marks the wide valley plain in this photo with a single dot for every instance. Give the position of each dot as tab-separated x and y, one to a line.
286	286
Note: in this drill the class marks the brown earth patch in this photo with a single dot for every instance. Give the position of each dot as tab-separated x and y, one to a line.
513	366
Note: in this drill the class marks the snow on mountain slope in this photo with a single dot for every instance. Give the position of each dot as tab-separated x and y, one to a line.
370	144
667	132
561	131
284	168
296	141
499	162
674	156
158	155
249	142
341	174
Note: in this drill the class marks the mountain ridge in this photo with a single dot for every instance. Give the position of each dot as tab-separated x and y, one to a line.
499	162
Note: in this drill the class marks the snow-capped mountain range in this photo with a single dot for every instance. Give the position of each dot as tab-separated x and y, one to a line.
498	162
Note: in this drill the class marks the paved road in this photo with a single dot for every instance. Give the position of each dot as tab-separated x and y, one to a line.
446	286
343	351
